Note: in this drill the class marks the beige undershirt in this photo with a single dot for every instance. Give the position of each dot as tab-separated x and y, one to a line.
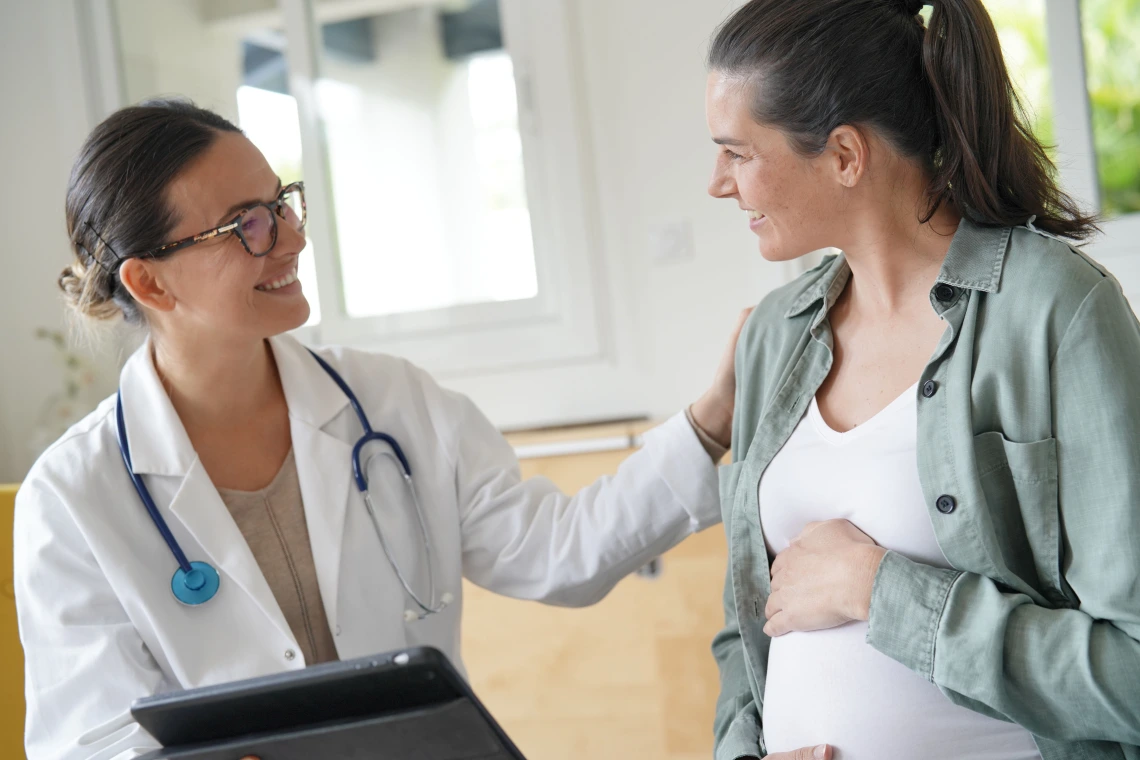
272	521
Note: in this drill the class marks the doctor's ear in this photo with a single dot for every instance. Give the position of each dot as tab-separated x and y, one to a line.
847	153
141	279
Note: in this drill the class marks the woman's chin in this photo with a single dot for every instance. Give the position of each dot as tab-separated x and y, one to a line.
775	253
295	316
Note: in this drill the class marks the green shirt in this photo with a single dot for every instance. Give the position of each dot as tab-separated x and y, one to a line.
1029	459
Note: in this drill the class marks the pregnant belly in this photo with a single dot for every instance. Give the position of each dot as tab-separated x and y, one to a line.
831	687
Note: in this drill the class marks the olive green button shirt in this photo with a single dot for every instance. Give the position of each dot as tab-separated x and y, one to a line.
1029	459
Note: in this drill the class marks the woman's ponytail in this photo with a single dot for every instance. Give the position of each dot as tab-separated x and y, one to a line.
988	161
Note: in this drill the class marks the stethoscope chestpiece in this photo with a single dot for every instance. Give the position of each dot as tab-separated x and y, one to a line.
197	586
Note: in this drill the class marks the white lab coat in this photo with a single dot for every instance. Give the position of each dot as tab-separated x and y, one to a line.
101	628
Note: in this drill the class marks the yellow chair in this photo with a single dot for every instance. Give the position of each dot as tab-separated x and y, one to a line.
11	654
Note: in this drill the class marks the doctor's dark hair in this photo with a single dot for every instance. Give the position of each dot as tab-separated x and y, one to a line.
941	96
116	199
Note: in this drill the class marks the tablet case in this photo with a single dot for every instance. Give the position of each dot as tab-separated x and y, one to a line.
399	706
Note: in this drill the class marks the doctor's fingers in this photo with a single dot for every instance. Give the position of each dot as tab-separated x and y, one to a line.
822	752
727	369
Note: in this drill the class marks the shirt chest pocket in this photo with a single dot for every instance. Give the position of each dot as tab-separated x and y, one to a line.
1020	485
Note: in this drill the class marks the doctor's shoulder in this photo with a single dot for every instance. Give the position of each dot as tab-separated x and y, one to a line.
75	470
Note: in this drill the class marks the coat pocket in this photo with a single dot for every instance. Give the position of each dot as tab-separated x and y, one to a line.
1020	484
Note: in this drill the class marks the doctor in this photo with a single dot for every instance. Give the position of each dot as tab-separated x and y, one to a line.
206	524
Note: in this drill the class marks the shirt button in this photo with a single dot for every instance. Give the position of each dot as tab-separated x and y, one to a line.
945	504
929	388
944	292
290	655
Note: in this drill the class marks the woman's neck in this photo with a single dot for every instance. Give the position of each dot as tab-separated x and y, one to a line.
217	385
894	257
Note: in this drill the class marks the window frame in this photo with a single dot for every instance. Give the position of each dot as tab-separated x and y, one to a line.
564	322
1076	142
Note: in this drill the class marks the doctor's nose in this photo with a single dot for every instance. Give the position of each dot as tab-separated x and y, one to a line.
290	242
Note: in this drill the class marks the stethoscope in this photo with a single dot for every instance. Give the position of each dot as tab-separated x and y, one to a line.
196	583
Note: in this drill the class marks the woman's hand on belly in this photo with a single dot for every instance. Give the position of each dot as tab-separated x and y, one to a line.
823	579
822	752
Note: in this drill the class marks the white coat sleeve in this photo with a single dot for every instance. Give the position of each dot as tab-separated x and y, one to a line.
526	539
84	661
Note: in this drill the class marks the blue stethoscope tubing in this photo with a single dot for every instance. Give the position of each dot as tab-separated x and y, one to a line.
196	583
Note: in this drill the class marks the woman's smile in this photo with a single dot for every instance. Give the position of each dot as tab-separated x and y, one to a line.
284	283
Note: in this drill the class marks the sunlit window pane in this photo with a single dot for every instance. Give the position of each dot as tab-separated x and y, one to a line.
421	119
1112	63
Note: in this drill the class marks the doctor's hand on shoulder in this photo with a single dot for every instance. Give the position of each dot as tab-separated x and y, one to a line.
713	411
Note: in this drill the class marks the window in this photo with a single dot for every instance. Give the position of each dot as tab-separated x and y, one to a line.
1081	55
421	118
437	228
1112	62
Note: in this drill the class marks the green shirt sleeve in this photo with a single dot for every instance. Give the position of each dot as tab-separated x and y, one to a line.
1065	674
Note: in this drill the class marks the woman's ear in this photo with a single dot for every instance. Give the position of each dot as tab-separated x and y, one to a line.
140	278
849	152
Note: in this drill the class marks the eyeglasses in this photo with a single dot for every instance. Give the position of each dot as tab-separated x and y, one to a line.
255	227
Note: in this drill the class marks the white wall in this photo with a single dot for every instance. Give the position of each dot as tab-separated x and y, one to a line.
43	120
645	86
643	83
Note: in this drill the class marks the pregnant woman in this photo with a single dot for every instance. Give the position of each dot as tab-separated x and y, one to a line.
933	513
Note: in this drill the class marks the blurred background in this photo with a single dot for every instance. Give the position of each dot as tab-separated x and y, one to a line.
511	193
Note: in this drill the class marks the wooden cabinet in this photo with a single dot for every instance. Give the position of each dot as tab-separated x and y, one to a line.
631	677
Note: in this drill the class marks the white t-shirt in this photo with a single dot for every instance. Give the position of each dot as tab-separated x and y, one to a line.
831	686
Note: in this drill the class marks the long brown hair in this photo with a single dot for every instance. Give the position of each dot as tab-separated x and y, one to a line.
940	95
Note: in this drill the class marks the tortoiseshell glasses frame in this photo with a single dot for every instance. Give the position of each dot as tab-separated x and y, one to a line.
279	208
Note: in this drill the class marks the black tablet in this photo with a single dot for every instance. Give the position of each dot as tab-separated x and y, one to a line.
406	704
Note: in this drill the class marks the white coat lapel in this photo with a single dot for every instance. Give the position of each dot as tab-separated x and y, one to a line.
324	461
204	515
160	447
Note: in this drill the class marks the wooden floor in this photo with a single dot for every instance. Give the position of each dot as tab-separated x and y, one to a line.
631	677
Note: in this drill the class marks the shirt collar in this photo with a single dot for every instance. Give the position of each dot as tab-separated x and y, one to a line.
974	261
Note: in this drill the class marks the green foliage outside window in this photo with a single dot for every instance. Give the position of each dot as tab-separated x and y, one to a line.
1112	60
